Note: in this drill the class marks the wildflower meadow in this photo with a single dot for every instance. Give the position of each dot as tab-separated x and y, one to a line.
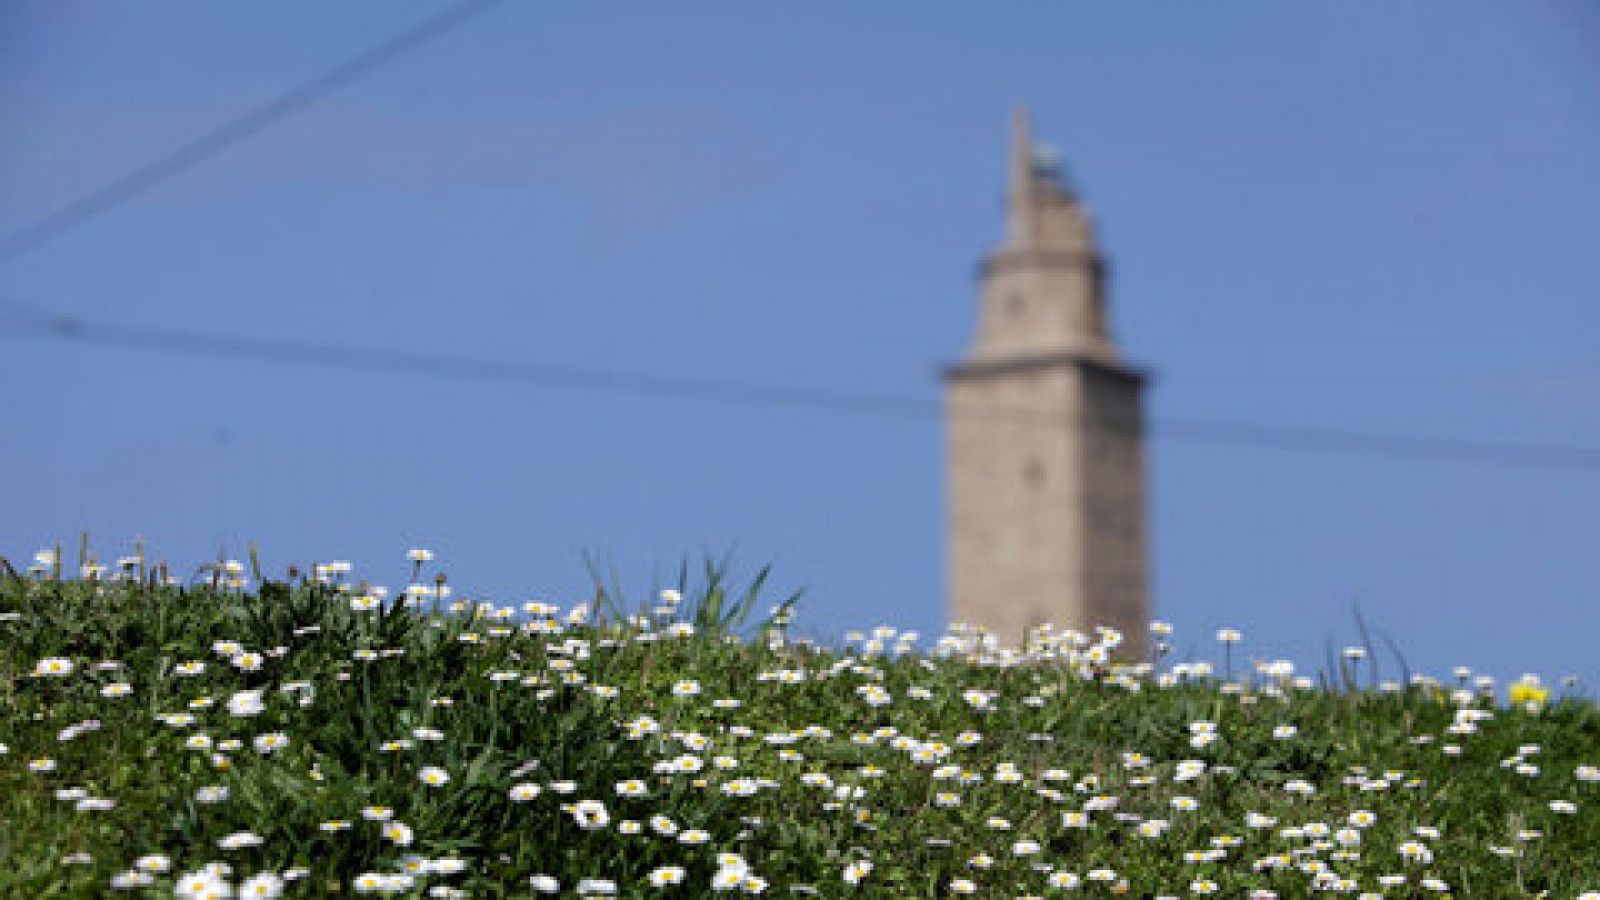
241	734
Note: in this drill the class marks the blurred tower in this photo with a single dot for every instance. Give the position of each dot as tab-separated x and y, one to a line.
1044	430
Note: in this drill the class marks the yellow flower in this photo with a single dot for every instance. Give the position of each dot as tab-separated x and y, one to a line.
1528	692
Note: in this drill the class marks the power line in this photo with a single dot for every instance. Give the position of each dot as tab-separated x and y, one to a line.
250	123
438	365
1419	448
445	366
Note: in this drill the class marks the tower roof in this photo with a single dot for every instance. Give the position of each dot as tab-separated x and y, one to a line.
1042	211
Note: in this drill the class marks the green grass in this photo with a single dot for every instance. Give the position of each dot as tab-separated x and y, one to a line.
827	752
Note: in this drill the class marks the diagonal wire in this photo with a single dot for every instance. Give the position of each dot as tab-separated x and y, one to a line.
445	366
1421	448
439	365
252	122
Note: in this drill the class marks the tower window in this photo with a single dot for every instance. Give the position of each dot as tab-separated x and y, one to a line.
1033	474
1014	304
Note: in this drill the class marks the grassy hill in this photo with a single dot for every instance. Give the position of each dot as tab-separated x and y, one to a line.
310	737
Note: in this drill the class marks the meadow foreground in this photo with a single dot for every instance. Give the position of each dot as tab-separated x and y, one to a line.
314	736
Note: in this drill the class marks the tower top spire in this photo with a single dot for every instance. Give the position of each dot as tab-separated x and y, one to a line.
1021	174
1041	210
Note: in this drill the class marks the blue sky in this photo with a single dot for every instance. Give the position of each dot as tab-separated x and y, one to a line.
1369	217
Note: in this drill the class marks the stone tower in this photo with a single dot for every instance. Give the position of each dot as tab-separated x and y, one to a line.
1045	460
